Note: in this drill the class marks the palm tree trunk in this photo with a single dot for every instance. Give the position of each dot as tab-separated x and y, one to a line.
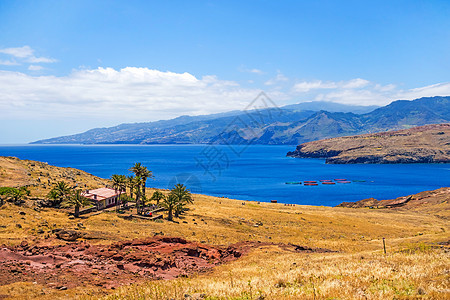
143	188
170	215
138	199
77	211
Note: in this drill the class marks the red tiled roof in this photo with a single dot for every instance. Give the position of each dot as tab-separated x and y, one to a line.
102	193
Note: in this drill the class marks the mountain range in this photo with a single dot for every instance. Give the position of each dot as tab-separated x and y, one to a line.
288	125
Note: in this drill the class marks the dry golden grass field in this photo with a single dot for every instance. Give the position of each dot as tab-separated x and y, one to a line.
416	266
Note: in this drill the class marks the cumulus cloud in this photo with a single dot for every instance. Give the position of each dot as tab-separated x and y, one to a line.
140	94
129	94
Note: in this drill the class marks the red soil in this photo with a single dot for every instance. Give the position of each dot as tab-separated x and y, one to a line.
80	263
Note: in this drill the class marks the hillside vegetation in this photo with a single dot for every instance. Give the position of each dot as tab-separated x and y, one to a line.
423	144
293	252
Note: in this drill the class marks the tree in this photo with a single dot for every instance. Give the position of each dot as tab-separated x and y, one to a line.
145	174
136	169
141	175
60	193
119	182
137	191
169	203
157	196
130	182
124	199
13	194
76	200
176	201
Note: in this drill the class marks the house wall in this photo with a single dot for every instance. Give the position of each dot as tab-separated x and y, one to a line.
111	201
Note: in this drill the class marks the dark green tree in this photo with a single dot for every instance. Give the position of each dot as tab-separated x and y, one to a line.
145	174
76	200
60	193
177	200
157	196
130	182
14	195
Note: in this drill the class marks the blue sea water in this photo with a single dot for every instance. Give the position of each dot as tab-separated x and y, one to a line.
257	172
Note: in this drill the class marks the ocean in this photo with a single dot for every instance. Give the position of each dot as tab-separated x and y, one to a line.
256	172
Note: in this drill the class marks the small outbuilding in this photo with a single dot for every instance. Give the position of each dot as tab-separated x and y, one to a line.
103	197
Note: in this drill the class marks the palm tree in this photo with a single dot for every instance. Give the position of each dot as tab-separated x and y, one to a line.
182	193
119	184
137	169
141	174
169	203
178	197
76	200
123	183
59	193
137	191
157	196
145	174
116	181
16	195
130	182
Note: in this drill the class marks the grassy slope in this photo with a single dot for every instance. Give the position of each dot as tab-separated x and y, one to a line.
358	269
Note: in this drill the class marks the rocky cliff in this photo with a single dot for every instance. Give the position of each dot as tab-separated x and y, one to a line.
422	144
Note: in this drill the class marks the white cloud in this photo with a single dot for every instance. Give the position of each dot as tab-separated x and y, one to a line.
306	86
8	63
37	60
279	78
140	94
126	95
35	67
439	89
254	70
363	92
356	97
20	52
355	83
23	54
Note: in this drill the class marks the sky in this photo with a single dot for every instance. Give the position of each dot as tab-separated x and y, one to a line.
69	66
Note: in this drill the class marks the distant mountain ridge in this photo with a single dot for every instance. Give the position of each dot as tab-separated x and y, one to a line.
289	125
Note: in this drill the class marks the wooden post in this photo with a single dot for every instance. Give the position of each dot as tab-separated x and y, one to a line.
384	247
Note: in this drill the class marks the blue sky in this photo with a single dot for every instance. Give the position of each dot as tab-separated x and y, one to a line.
68	66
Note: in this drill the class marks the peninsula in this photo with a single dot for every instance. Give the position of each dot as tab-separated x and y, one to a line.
422	144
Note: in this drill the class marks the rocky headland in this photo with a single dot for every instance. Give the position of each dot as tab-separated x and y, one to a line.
434	202
422	144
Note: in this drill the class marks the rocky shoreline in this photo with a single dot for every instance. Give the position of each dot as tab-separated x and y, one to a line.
423	144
